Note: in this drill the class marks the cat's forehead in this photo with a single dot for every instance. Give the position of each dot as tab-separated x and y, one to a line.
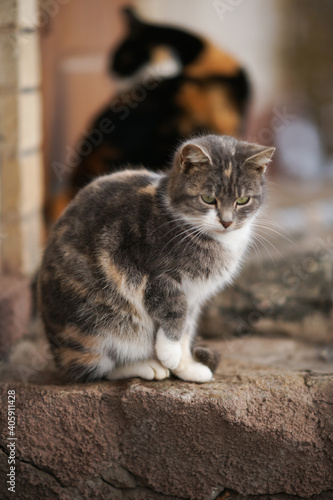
222	147
228	146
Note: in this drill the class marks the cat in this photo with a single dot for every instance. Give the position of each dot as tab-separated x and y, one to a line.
136	253
209	94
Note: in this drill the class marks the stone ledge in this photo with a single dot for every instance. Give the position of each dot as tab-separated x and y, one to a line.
258	429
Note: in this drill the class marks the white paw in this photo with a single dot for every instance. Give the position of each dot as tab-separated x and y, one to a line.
145	371
194	372
160	372
142	370
168	351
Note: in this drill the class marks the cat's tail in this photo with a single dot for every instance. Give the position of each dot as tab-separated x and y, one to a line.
207	357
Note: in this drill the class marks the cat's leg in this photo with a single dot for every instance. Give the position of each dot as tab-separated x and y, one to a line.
149	369
167	304
168	350
188	369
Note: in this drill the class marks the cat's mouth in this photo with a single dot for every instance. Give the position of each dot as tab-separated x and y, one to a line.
220	232
228	229
224	231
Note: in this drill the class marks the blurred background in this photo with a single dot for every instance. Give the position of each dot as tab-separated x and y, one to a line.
55	79
55	82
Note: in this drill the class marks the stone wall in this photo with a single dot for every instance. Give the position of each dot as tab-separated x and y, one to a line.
20	137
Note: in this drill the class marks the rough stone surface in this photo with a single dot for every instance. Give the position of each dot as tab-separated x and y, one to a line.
263	427
291	297
15	307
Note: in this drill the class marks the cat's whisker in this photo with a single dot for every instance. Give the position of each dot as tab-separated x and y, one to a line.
256	249
271	222
180	219
197	232
173	228
273	183
273	246
259	239
267	250
178	235
175	225
274	231
191	233
266	217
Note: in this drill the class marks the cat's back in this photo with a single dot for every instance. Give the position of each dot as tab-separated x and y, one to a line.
100	216
108	199
115	190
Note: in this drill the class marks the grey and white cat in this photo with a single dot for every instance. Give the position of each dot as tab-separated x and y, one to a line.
136	254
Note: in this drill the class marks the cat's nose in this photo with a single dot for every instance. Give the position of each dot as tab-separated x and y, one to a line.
226	223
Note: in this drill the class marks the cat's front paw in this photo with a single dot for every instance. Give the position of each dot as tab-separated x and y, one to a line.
168	351
194	372
160	371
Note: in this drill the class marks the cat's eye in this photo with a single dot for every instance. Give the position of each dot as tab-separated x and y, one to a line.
208	199
243	201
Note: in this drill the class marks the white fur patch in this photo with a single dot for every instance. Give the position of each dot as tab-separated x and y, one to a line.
168	351
194	372
236	240
199	290
129	350
234	244
149	370
105	365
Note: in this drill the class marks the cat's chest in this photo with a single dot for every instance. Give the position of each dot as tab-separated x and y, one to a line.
232	249
199	290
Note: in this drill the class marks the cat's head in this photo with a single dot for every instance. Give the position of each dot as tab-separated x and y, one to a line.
217	183
143	38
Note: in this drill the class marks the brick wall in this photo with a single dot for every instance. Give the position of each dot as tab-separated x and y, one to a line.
77	37
20	137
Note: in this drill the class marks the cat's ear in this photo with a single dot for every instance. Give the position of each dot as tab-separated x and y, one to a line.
192	155
259	157
134	23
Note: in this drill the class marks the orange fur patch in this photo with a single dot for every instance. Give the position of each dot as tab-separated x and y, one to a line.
212	61
127	174
151	189
110	268
161	53
67	356
73	334
209	107
141	288
228	170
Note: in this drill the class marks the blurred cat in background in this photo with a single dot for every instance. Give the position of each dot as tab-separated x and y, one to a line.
143	124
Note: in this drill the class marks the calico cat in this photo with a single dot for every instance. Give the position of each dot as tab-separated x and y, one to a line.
135	255
145	122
